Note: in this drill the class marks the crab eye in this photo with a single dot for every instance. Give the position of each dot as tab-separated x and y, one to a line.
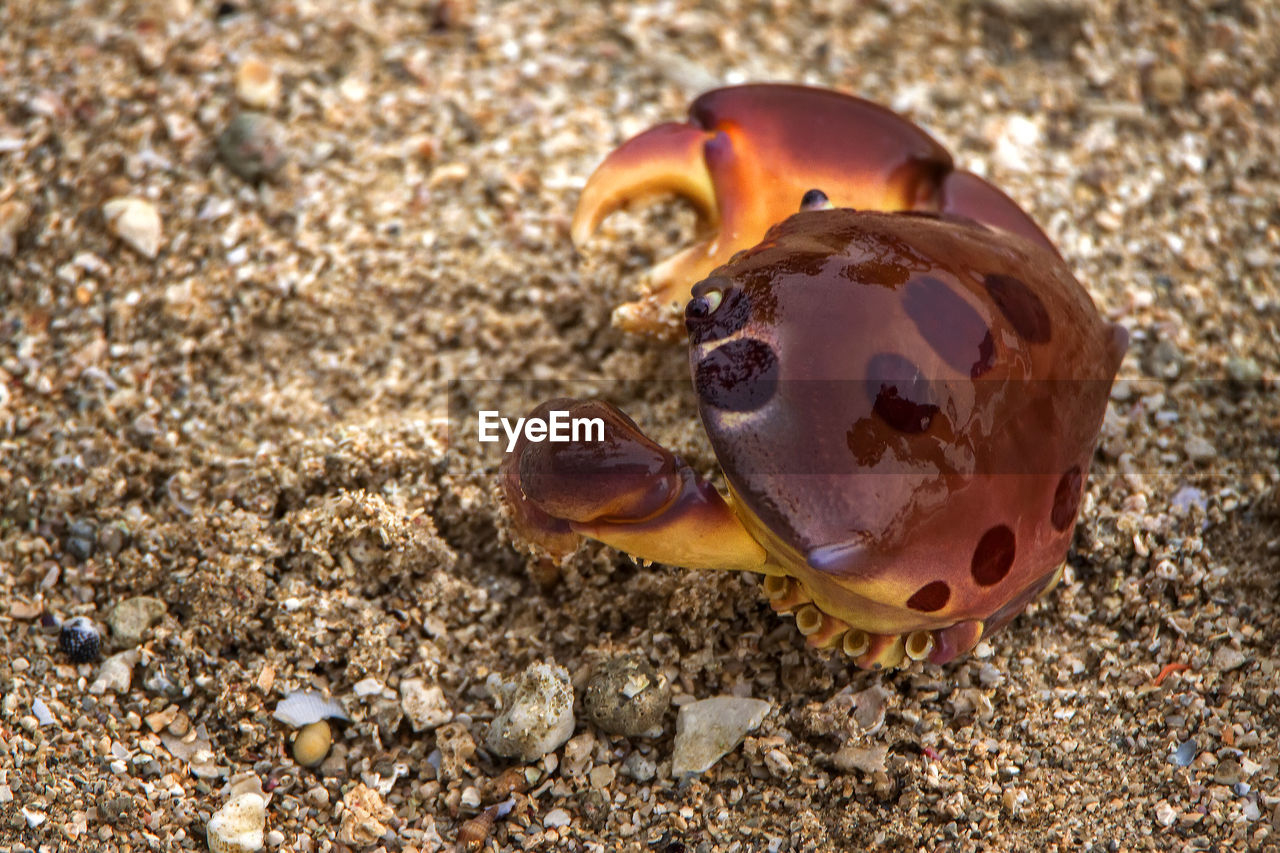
815	199
705	304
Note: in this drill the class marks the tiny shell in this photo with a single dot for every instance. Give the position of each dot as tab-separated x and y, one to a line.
312	743
304	707
136	222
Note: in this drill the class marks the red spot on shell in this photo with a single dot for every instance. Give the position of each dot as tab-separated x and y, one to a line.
1020	306
930	597
993	557
949	324
986	357
1066	499
739	376
903	397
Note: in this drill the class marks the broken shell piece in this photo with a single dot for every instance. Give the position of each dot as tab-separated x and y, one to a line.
237	827
304	707
136	222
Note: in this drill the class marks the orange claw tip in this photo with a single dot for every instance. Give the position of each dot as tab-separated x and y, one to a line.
664	160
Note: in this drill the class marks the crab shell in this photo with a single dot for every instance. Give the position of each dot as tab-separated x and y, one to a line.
904	408
747	157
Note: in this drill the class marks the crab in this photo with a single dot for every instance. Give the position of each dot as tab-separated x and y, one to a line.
903	405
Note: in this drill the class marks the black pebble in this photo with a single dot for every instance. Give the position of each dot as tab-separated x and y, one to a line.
79	640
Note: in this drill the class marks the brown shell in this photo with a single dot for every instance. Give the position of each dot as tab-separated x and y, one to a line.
905	407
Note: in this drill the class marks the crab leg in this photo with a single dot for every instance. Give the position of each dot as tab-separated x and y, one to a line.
625	491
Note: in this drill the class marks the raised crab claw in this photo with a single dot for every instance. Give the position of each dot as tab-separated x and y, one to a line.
746	159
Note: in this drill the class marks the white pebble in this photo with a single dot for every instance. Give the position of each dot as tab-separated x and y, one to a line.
708	730
537	716
115	674
426	707
237	827
555	819
136	222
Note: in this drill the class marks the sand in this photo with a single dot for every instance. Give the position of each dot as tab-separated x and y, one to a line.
249	399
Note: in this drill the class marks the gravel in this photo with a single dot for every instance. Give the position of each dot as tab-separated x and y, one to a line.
256	427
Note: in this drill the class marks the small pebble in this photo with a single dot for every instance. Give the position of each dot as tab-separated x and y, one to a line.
275	838
80	541
364	820
131	618
1184	754
112	539
639	767
602	777
79	640
257	85
1165	361
13	219
251	147
708	730
426	707
555	819
1167	85
867	760
1228	772
537	714
115	674
44	716
1227	658
237	827
626	696
136	222
1200	449
777	763
312	743
1243	371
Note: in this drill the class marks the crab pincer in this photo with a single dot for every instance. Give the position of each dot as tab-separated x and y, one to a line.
750	155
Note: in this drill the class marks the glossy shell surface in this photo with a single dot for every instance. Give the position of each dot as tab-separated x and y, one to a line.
904	407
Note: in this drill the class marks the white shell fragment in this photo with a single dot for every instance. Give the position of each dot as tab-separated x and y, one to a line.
257	85
237	827
537	714
136	222
303	707
426	707
42	712
708	730
116	673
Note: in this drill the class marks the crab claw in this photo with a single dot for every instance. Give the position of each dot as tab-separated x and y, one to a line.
750	156
622	489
